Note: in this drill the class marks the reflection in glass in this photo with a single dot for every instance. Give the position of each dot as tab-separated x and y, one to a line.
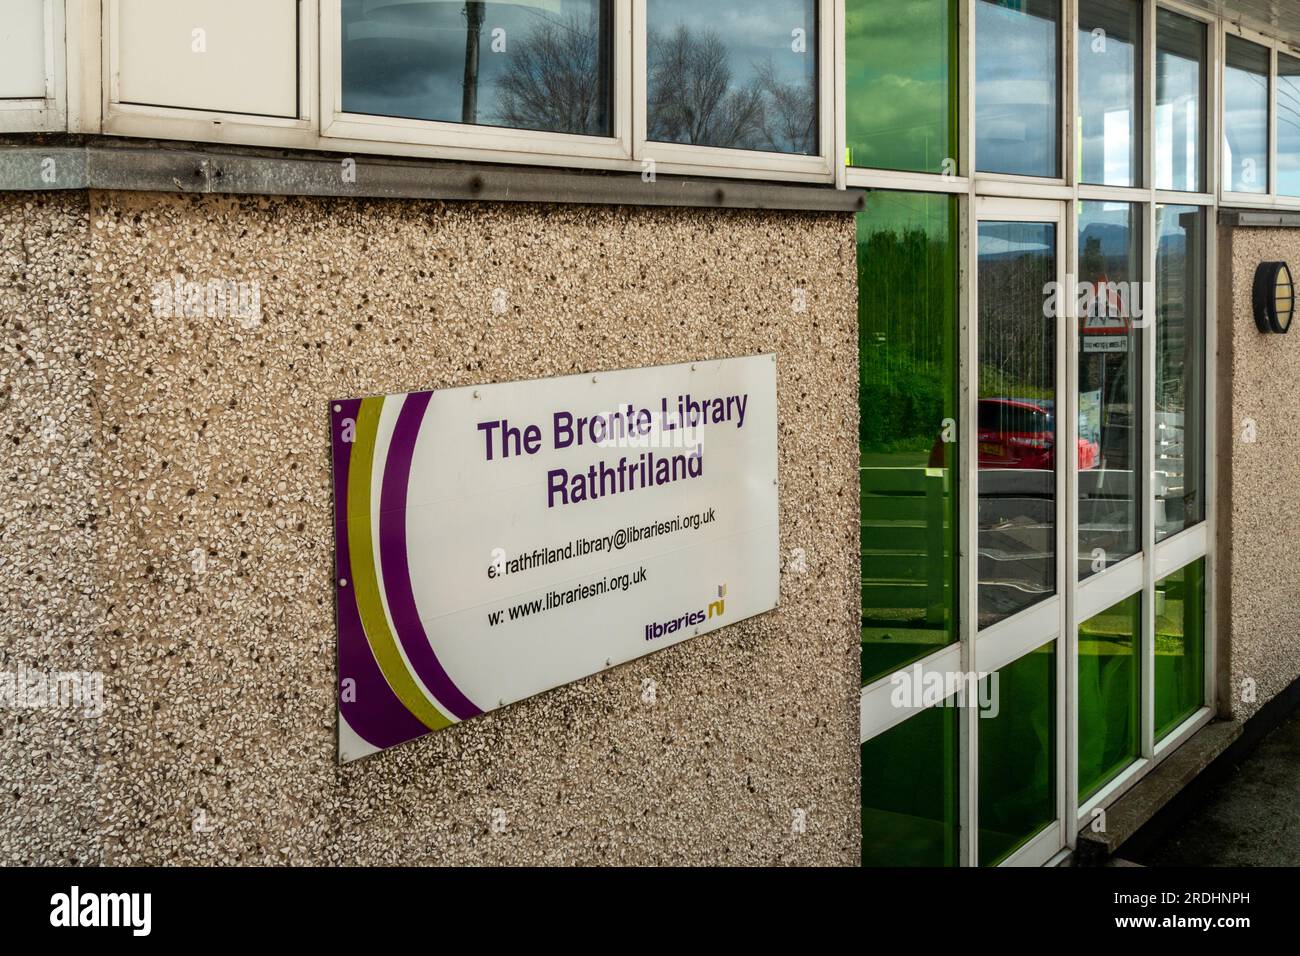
1017	418
1180	647
907	321
1017	111
1245	116
1180	102
524	65
1110	33
1110	363
1017	755
734	74
900	84
1180	369
909	792
1109	694
1288	125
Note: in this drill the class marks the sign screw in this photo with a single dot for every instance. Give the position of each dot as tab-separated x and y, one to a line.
338	408
343	582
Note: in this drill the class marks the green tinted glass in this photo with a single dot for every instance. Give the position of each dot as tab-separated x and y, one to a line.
1017	754
900	67
1180	646
909	792
907	323
1109	694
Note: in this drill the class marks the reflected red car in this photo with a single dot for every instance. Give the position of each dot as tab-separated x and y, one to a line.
1019	433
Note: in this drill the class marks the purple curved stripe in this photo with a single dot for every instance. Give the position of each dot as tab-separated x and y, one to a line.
397	572
377	715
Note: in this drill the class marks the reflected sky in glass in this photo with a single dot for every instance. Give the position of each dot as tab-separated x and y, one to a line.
1017	112
1288	125
1110	367
1245	117
1109	36
732	74
532	64
1180	82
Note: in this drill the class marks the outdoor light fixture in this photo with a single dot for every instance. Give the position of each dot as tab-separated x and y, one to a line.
1274	297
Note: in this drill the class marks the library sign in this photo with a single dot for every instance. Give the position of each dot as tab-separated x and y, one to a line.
496	541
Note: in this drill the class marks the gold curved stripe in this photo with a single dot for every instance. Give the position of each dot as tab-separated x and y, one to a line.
366	583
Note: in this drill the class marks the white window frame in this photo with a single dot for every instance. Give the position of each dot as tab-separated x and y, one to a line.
1058	618
470	142
707	160
211	126
48	113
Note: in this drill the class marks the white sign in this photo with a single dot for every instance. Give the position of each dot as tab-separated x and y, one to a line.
497	541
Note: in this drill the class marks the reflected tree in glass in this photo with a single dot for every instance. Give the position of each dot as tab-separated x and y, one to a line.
530	65
733	75
907	331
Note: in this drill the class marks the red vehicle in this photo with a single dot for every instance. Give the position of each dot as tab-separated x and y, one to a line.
1019	433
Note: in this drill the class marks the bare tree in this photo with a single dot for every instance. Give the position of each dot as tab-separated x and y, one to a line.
790	120
691	94
555	79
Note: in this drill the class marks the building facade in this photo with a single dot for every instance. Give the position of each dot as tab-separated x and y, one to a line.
971	231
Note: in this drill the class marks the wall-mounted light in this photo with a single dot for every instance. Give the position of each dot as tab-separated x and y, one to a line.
1274	297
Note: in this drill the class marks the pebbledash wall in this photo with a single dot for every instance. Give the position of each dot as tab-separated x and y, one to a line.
165	518
1259	458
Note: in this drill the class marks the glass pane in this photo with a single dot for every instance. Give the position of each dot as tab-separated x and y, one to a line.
1017	755
1017	105
1180	647
1109	694
1110	367
1017	418
909	792
907	330
900	91
1180	102
525	65
1180	369
735	74
1110	36
1245	117
1288	125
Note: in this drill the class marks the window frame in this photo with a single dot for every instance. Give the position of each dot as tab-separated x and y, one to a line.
469	142
678	158
46	113
989	649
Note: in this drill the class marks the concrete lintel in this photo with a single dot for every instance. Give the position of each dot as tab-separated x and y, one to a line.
200	170
1259	218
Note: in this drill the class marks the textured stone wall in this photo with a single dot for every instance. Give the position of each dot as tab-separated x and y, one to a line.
182	542
1259	507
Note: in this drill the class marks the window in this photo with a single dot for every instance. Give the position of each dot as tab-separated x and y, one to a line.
1180	369
909	792
1288	125
1180	124
1110	694
1017	427
523	65
1017	755
1110	363
1180	647
733	75
1245	116
1110	38
907	340
1017	87
900	73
